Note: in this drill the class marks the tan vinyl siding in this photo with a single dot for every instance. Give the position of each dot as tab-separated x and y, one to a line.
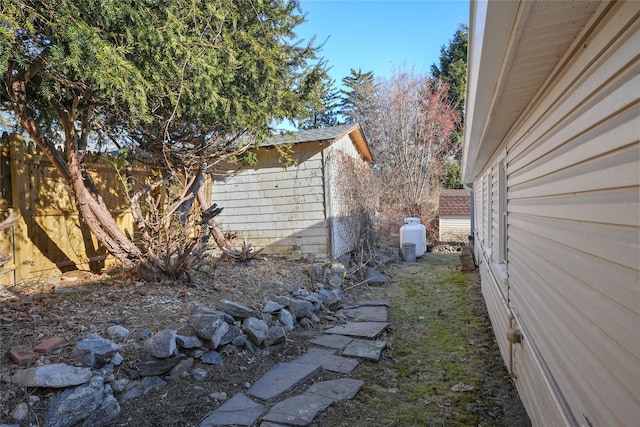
573	216
280	209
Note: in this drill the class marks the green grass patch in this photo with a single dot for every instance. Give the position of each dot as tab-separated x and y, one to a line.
433	333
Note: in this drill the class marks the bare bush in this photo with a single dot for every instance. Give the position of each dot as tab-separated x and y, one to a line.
359	199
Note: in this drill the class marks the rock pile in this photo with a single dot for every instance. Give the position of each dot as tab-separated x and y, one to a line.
92	392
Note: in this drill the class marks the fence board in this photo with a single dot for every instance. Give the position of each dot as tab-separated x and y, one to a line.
48	237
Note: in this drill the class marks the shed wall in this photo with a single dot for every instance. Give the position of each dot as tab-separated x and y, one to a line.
571	277
454	228
344	237
279	209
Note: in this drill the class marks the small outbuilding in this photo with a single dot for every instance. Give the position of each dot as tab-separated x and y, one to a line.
454	215
295	210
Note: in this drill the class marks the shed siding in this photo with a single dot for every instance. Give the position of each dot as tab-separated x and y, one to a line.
344	238
280	209
573	235
454	228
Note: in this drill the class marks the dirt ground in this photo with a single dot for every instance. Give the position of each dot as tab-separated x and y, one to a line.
83	304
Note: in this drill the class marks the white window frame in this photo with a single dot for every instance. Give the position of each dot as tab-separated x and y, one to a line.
489	214
502	210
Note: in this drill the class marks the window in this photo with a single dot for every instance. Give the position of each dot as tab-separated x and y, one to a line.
502	211
489	217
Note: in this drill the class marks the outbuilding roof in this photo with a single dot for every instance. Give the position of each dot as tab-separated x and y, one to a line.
327	134
455	203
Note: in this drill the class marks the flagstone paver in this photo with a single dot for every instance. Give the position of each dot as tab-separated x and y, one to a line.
298	410
368	303
332	341
371	314
283	378
365	349
329	360
239	410
369	330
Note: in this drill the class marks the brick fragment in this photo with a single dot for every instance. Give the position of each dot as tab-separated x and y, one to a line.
50	345
22	355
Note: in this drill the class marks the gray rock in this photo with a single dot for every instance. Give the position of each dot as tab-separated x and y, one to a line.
373	277
275	335
239	410
76	404
206	321
333	299
58	375
94	351
217	337
143	335
182	367
117	331
287	319
20	412
155	368
188	341
336	282
199	374
231	334
300	308
306	323
244	341
256	329
211	358
299	292
136	389
272	307
119	385
107	412
162	344
283	301
236	310
314	271
117	359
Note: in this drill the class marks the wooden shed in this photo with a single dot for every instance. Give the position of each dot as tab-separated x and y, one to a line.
454	215
552	153
297	210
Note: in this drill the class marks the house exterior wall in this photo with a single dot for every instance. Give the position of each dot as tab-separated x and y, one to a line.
454	228
557	234
279	209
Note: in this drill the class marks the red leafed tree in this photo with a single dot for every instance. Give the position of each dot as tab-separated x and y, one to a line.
412	136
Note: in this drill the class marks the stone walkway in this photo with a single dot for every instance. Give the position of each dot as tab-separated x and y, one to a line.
282	397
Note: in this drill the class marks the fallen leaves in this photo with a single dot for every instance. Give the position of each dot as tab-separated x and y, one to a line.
461	387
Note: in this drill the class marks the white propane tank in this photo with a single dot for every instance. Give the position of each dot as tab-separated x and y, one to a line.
414	232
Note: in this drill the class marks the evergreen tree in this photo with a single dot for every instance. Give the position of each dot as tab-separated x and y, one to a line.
188	82
453	71
322	110
453	67
357	98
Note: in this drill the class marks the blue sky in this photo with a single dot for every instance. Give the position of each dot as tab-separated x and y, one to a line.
381	35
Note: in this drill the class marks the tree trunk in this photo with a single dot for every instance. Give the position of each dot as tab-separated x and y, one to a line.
90	204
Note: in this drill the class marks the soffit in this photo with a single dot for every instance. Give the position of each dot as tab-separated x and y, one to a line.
540	35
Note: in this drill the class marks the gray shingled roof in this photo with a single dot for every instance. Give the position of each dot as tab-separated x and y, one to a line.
322	134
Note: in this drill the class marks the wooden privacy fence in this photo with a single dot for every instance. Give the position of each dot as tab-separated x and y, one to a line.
48	237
